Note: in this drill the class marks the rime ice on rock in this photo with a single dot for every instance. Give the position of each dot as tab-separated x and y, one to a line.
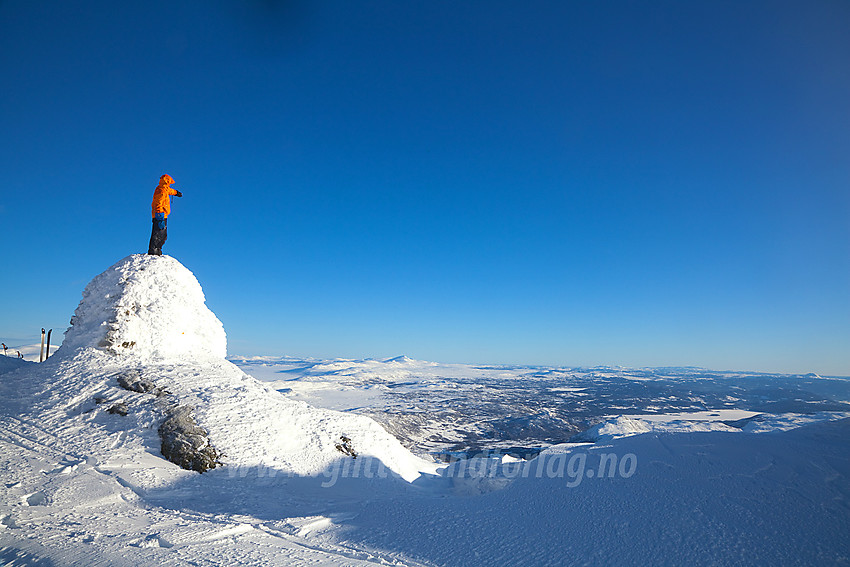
146	307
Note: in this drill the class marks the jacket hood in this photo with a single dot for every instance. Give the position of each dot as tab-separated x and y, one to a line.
166	180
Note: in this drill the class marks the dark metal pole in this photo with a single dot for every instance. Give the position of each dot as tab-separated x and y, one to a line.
47	354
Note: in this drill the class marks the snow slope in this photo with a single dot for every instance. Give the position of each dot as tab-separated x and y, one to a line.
709	498
83	486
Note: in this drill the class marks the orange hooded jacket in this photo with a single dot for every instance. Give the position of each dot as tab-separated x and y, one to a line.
161	203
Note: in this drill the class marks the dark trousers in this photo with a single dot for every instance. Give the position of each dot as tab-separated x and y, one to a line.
159	232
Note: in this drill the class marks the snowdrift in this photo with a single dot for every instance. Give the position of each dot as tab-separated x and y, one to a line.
8	363
146	316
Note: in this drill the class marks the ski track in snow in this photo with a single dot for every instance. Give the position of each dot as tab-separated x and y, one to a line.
714	468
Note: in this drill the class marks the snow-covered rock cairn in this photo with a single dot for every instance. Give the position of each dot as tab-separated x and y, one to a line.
148	311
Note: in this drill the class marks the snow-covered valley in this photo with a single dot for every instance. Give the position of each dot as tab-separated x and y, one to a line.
448	409
399	462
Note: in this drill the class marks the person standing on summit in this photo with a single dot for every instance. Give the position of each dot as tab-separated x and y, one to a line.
160	209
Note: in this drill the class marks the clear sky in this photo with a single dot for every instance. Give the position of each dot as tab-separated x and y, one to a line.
565	182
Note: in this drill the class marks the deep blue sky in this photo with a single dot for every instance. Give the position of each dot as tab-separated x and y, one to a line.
565	182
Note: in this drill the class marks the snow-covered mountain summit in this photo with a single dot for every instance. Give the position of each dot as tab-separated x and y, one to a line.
84	480
149	308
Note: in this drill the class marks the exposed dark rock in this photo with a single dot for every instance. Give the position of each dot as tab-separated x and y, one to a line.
345	447
186	444
132	380
119	409
183	442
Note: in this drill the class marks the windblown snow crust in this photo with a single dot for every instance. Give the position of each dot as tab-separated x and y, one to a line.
150	308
